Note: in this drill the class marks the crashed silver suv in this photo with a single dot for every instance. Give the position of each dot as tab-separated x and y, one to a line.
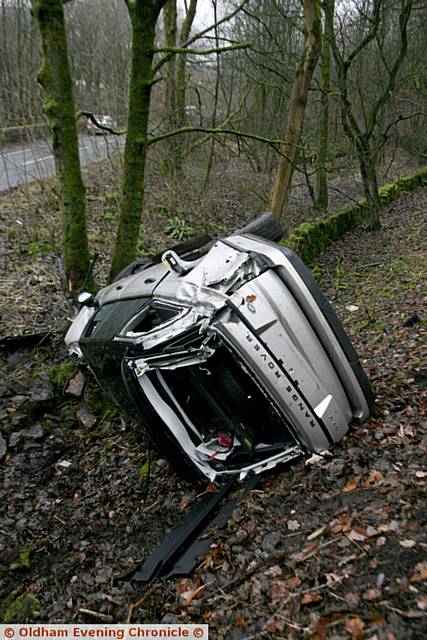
227	352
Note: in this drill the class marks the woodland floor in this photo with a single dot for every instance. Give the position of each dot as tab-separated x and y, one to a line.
335	549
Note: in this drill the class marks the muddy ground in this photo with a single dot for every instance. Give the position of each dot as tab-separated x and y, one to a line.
331	549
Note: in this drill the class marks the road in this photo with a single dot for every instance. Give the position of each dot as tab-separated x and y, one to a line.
32	162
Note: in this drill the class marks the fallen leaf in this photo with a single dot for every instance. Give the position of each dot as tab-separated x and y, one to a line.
420	572
184	503
352	598
293	582
278	590
352	308
333	578
271	626
371	531
311	598
274	571
355	627
322	624
211	488
184	585
422	603
357	536
372	594
347	559
421	474
351	485
407	544
192	594
375	478
240	621
343	526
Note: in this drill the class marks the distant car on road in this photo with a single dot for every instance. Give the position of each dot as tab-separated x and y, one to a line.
103	121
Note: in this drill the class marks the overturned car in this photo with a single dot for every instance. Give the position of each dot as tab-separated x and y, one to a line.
227	352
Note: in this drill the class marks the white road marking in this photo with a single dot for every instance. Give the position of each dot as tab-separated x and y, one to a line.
38	160
23	150
11	153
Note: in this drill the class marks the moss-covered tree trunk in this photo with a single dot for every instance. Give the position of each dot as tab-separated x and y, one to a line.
296	112
143	16
55	78
368	172
324	82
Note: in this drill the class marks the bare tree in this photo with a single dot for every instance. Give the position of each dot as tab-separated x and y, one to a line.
55	78
363	131
296	112
143	16
324	86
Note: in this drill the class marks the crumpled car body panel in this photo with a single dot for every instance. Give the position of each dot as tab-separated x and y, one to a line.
236	358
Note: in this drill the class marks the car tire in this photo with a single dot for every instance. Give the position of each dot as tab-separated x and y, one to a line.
137	265
266	226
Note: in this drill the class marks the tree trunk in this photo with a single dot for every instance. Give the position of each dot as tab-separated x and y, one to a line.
216	97
143	16
292	135
170	19
325	72
181	81
368	172
55	78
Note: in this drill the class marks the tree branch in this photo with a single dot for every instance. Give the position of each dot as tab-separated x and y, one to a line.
199	35
89	115
403	24
273	142
202	52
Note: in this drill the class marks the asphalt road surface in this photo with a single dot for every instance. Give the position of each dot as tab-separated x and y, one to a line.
27	163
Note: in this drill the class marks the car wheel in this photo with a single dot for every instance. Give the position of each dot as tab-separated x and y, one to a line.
266	226
137	265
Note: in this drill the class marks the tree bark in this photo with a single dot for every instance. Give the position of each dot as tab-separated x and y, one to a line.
143	16
55	78
169	19
324	81
295	122
181	81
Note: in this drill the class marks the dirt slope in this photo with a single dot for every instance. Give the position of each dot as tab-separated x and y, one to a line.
332	549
